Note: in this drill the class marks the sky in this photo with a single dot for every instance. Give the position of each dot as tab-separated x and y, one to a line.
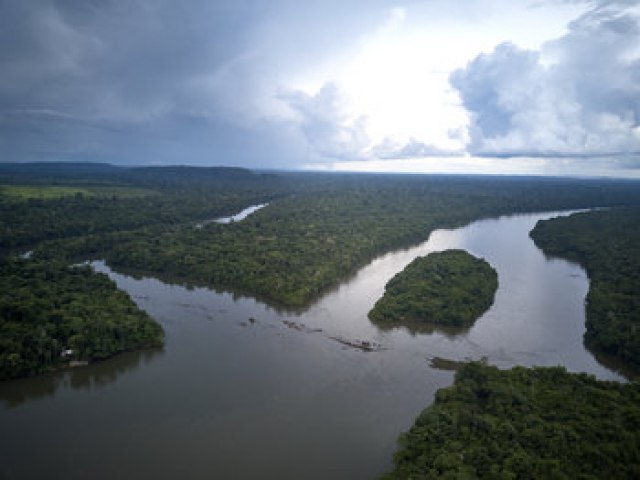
480	86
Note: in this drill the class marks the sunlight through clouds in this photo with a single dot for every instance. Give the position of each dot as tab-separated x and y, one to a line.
397	82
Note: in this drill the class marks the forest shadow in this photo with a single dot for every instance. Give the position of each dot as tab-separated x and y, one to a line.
613	363
16	392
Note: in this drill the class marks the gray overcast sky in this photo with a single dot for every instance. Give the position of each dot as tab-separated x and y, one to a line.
476	86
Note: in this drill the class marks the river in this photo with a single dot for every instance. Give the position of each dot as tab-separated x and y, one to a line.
244	391
238	217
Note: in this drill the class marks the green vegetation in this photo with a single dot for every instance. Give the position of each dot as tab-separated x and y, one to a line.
446	363
317	229
138	204
294	249
322	230
451	288
47	309
607	244
524	423
49	192
42	192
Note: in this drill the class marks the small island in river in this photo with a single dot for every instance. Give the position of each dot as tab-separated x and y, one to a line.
451	288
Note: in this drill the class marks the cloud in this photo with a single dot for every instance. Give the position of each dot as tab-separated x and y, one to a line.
141	81
389	150
336	134
216	82
326	124
578	96
132	82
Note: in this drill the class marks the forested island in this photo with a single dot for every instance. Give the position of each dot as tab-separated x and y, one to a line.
524	423
451	288
607	244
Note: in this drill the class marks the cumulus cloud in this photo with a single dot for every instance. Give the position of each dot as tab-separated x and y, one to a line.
326	124
337	134
578	96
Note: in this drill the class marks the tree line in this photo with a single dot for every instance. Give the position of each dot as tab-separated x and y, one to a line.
51	314
319	229
607	244
524	423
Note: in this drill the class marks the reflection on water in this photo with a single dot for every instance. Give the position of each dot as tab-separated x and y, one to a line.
15	392
242	390
416	327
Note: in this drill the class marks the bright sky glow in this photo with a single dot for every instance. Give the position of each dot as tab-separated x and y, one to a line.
397	77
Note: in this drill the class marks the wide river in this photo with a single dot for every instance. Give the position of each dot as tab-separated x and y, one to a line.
243	391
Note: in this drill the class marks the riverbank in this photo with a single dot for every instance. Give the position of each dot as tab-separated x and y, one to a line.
607	244
524	423
223	388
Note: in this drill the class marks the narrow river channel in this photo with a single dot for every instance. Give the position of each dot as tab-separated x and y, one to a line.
244	391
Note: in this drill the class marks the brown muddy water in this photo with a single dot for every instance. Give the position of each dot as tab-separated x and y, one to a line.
244	391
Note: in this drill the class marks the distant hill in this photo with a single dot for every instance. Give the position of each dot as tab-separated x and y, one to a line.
179	175
103	172
57	169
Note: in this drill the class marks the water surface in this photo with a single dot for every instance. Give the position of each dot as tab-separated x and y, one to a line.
243	391
233	218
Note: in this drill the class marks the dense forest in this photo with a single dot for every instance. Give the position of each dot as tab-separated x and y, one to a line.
607	244
451	288
36	209
304	243
524	423
51	314
317	229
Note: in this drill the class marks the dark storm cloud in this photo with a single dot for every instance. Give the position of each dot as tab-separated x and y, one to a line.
158	80
139	81
138	54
